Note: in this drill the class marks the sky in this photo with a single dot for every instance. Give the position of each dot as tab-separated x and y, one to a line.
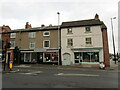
16	13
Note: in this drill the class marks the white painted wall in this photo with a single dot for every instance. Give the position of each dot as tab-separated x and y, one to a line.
79	36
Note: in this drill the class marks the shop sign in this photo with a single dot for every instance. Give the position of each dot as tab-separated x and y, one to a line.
50	53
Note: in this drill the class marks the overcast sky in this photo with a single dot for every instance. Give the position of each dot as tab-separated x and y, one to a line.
16	13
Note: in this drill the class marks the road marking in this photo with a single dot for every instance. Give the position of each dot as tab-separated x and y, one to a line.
32	73
62	74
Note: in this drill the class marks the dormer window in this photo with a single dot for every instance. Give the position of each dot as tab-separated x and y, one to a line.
87	29
47	33
69	31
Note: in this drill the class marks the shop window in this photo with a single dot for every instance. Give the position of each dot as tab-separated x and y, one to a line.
34	57
51	57
22	57
90	57
76	57
27	57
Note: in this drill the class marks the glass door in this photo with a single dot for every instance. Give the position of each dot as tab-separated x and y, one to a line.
77	58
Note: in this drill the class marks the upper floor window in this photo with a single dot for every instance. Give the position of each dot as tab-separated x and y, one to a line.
87	29
32	45
70	42
32	34
69	31
46	33
46	44
12	42
13	35
88	41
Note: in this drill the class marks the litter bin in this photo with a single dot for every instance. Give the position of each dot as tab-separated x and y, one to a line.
101	65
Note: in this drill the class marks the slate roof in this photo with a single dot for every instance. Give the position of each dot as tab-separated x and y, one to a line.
39	28
32	29
80	23
89	22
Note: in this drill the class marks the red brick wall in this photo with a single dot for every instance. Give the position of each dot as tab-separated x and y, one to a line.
5	36
105	47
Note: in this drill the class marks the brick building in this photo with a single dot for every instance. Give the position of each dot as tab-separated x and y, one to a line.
83	41
37	45
6	52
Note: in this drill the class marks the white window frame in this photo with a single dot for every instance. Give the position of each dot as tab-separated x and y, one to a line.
44	43
13	35
32	42
68	42
89	29
46	32
12	42
86	41
69	31
32	34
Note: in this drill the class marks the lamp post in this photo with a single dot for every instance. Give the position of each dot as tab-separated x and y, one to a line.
113	39
59	41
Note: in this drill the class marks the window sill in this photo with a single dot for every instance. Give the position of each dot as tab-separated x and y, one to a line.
31	48
46	35
69	46
89	45
32	37
88	32
69	33
46	47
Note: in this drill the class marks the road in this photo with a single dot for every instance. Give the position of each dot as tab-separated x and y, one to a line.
60	78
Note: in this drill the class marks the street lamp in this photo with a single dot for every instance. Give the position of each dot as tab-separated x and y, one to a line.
59	41
113	39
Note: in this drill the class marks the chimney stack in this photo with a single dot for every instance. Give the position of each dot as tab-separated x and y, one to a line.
42	25
96	17
28	25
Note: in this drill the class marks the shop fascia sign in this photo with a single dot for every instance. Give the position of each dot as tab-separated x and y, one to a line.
40	50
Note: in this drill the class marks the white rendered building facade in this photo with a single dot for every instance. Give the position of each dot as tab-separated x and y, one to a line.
82	42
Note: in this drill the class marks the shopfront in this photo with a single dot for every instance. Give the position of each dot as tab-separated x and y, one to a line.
80	57
88	55
51	57
30	57
39	57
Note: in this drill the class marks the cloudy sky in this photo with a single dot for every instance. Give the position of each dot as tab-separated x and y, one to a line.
16	13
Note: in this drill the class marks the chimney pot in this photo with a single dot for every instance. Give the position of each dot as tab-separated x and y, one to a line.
28	25
50	24
42	25
96	17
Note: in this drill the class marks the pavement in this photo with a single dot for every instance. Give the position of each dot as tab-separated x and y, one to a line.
86	66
